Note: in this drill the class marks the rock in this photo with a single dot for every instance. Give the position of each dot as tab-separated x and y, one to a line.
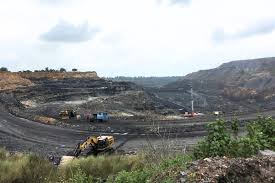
267	153
66	160
207	159
182	173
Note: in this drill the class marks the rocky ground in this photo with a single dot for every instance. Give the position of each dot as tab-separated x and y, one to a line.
240	86
233	170
50	93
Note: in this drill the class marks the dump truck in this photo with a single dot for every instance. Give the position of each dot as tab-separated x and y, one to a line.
100	117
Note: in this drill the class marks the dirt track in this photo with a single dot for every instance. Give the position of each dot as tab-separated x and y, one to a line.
17	134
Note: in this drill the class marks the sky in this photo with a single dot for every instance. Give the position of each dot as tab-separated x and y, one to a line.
134	37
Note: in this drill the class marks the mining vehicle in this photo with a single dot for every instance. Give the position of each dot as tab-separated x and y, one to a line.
189	114
93	145
100	117
67	114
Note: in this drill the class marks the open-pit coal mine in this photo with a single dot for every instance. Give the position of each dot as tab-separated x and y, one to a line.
139	117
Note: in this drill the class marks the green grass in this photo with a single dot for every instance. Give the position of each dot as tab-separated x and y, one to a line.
133	168
23	168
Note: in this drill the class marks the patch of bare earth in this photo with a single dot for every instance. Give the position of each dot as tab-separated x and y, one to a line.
11	81
45	119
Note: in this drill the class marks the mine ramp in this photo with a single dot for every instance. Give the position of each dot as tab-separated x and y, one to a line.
93	145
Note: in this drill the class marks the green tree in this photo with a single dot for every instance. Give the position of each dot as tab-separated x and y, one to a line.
62	70
3	69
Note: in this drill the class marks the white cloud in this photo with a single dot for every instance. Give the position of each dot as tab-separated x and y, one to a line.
66	32
264	26
136	37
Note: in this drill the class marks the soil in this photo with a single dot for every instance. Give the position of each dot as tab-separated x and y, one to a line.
231	170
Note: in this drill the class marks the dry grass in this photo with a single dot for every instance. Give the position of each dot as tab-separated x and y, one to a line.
24	168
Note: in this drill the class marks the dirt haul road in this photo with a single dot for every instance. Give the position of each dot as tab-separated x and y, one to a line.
17	134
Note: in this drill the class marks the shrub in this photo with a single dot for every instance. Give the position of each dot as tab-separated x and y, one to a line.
37	169
24	168
216	142
219	142
3	69
62	70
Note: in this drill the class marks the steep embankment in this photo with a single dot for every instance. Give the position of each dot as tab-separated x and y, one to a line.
11	81
245	85
51	92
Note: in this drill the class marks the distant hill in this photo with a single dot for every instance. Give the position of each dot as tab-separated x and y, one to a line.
257	73
238	85
148	82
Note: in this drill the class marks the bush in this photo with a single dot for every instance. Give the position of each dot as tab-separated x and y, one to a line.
37	170
216	142
62	70
24	168
219	141
3	69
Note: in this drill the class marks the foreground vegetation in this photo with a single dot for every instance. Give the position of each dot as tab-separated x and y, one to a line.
155	166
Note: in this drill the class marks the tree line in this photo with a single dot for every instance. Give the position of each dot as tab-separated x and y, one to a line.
47	69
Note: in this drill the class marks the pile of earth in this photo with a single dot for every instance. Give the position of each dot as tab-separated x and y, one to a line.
234	170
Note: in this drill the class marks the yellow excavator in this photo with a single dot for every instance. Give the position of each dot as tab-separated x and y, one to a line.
94	145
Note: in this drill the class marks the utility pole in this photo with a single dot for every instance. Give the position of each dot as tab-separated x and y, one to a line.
192	99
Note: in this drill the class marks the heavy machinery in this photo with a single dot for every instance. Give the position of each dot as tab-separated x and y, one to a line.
100	117
94	145
67	114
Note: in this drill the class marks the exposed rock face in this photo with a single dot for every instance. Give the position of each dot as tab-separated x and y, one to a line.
235	86
256	74
11	81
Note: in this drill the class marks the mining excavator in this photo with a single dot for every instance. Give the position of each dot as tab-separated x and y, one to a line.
93	145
